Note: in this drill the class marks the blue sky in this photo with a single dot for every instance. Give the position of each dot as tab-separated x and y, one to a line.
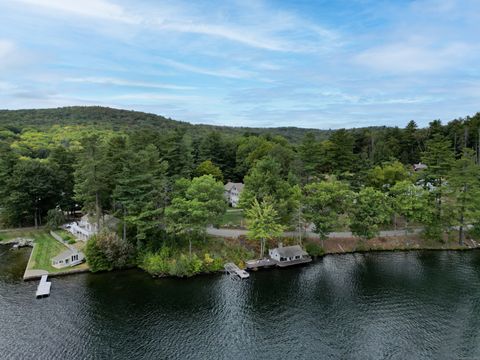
317	64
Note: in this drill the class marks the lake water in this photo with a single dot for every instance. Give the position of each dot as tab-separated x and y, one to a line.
406	305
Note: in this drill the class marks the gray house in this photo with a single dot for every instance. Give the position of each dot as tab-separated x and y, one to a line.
289	255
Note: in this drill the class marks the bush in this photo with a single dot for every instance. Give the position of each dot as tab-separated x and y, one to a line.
313	249
106	251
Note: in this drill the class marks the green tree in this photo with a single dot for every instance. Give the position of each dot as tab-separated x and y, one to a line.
464	186
32	190
208	168
91	184
140	192
369	210
340	151
439	158
387	175
324	203
55	218
262	223
310	152
201	204
265	181
62	162
410	201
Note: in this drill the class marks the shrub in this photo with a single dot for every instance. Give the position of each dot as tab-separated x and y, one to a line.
106	251
313	249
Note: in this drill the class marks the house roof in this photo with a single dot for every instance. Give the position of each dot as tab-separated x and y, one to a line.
289	251
66	254
239	186
230	185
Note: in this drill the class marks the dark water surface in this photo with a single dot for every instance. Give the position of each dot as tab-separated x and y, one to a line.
417	305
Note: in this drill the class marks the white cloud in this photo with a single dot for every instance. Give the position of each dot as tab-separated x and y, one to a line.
6	48
260	27
122	82
89	8
8	53
226	73
409	58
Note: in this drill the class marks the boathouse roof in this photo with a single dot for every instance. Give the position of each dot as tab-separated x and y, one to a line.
65	254
289	251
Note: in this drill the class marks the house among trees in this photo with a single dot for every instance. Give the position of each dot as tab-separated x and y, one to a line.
86	227
70	257
232	193
289	255
419	167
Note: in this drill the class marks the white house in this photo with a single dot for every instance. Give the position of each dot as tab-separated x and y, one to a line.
70	257
289	255
86	227
232	193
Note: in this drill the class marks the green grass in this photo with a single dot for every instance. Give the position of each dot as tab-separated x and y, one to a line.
46	247
233	217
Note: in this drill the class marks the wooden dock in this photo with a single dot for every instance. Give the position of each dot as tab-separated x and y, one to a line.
43	287
260	263
234	270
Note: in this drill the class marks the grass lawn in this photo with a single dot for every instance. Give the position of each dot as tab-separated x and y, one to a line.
46	247
233	217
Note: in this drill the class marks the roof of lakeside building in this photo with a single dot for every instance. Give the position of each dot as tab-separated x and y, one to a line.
289	251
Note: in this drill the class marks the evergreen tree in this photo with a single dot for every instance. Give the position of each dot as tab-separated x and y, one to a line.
464	184
91	187
439	158
310	153
265	181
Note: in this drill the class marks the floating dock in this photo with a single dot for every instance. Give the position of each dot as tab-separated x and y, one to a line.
260	263
234	270
43	289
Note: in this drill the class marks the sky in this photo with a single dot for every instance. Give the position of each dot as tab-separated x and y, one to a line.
313	64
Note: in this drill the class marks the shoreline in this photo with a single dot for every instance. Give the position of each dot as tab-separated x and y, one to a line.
333	246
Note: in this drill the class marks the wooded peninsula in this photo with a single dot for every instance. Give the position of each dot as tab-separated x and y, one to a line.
165	182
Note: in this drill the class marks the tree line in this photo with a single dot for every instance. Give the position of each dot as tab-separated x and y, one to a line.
168	184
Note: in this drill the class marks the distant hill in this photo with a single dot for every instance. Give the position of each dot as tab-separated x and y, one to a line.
125	119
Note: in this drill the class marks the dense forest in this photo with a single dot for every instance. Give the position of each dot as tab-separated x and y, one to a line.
164	179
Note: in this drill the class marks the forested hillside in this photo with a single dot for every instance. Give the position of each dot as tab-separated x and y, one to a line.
164	179
116	119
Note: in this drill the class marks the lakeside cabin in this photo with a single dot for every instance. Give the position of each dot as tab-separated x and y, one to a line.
69	257
289	255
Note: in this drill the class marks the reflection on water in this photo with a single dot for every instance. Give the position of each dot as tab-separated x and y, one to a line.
417	305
